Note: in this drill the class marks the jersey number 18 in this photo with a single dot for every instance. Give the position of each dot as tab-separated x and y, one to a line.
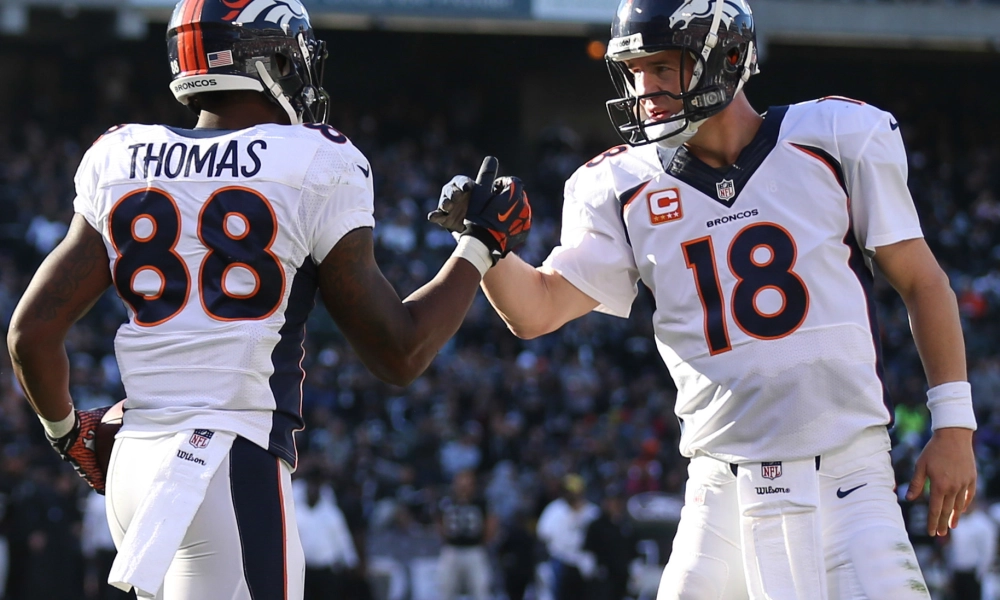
761	257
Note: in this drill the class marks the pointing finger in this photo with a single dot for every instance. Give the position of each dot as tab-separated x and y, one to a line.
488	172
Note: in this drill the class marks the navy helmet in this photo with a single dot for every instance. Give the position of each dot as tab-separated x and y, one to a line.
717	35
220	45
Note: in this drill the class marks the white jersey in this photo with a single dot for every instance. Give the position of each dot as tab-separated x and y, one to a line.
214	238
760	273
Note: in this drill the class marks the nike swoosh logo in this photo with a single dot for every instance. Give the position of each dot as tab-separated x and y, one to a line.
503	217
844	493
364	170
894	125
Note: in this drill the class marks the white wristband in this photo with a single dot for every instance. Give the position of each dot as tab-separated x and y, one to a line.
475	252
57	429
951	406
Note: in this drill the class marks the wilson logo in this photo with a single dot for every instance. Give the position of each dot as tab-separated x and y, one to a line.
664	206
190	457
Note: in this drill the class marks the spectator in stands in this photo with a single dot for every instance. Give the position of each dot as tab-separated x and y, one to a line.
645	473
516	554
47	563
503	492
611	538
463	453
326	540
971	550
562	527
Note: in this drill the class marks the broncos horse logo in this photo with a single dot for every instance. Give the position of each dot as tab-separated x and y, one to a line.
280	12
696	9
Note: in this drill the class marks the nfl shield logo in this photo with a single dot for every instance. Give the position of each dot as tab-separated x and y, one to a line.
770	470
726	189
201	437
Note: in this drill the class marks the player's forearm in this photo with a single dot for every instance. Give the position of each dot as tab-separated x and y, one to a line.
937	330
396	340
521	296
436	312
42	368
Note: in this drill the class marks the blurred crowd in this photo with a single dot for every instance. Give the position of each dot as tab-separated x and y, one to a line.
560	434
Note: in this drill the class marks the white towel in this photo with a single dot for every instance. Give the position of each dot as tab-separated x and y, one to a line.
780	530
162	519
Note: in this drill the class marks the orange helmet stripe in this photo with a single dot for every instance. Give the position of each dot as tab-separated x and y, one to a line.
185	48
201	60
190	47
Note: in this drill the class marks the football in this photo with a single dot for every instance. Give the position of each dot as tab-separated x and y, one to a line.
104	439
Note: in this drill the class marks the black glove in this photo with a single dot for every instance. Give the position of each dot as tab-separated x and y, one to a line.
501	221
454	203
496	212
79	446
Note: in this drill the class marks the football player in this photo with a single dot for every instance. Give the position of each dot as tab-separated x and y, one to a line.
756	234
216	239
467	527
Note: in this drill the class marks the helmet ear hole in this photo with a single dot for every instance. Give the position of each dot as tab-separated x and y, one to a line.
282	63
733	59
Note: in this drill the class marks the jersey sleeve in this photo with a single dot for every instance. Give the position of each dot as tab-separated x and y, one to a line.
86	183
881	206
340	198
593	253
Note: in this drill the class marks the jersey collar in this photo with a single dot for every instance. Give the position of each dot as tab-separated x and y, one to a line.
724	185
200	134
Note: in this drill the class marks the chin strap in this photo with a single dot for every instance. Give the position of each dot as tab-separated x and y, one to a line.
275	90
749	67
684	134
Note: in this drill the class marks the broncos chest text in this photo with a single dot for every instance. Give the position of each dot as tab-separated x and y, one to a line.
741	270
235	158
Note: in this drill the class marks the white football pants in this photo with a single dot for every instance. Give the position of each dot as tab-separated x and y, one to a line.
243	543
867	553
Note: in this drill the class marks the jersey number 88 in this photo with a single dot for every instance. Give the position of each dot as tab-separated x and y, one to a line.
236	225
